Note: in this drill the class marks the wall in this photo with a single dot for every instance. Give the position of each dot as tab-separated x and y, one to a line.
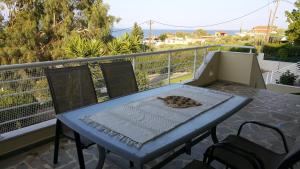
234	67
279	88
27	136
208	71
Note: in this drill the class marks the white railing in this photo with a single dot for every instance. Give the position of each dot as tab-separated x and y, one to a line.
24	94
274	76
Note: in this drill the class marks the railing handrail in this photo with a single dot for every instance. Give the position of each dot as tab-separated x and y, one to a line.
294	66
112	57
95	59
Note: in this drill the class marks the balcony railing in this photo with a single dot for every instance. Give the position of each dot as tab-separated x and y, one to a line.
25	98
274	76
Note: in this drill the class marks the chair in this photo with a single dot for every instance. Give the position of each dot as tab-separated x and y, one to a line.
119	78
70	88
240	153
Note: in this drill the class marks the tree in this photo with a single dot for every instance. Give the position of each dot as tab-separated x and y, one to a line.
41	30
137	31
293	18
200	32
125	44
163	37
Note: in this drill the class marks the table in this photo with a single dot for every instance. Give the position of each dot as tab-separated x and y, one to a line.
183	136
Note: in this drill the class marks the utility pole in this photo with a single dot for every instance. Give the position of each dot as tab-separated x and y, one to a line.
241	30
150	32
274	15
268	29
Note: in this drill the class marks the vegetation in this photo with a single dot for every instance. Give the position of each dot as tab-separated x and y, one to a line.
287	78
60	29
282	52
163	37
200	32
293	31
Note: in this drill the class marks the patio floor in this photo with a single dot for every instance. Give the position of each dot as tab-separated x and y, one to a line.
280	110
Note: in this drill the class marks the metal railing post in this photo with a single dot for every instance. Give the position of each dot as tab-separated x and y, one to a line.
271	78
219	49
169	68
204	56
195	62
133	63
267	78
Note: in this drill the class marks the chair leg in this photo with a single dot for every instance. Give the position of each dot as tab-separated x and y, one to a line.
213	132
131	164
56	140
79	150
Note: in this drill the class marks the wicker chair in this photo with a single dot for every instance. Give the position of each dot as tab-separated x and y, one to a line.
70	88
237	152
119	78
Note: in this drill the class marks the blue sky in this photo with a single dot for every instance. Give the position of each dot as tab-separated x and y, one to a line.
196	12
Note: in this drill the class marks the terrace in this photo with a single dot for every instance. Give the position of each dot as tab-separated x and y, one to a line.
27	122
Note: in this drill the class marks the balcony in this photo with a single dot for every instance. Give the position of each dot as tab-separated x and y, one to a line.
27	116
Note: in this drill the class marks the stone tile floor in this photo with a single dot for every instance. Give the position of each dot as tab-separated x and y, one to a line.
281	110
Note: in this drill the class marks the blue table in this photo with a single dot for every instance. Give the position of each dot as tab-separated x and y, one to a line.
186	135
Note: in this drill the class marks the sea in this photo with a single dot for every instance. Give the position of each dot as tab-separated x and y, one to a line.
157	32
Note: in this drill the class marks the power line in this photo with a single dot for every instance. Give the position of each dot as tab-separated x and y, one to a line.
209	25
289	2
219	23
124	29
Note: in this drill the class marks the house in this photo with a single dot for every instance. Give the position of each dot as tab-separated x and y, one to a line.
263	30
220	34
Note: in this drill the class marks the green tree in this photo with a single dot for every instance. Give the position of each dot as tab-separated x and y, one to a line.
137	31
293	18
163	37
200	32
125	44
40	30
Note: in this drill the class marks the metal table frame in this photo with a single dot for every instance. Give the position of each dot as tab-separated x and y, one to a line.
183	136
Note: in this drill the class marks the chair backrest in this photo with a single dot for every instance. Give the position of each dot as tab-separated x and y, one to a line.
291	158
119	78
71	88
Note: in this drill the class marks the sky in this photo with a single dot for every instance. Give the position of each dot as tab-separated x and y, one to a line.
197	12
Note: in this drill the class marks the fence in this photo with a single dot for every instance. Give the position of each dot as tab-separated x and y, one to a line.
274	76
25	98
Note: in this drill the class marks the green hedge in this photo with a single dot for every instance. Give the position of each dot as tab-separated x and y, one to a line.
244	50
282	52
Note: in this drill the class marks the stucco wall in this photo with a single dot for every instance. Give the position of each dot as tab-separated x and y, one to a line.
235	67
279	88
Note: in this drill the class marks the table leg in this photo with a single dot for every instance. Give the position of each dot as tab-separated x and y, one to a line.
213	133
135	166
101	158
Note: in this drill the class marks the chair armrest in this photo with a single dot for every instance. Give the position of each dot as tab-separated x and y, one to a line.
266	126
250	157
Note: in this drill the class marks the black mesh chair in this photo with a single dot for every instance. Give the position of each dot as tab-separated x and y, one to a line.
237	152
70	88
119	78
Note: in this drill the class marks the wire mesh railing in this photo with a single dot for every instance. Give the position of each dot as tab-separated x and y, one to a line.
273	77
25	97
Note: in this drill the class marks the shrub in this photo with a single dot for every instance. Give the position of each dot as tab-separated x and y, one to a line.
287	78
244	50
281	52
